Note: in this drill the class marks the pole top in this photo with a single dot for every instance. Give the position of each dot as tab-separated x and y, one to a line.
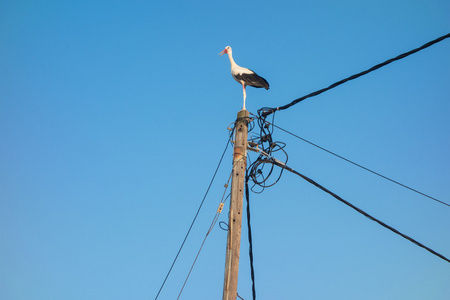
243	114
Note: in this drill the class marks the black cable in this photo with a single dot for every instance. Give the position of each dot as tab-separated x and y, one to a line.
272	161
193	221
250	240
362	167
265	111
264	142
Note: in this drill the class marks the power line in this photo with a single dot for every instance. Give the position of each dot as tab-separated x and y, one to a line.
265	146
250	239
213	223
280	164
193	221
265	111
362	167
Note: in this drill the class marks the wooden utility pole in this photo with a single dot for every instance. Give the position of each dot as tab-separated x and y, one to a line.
236	203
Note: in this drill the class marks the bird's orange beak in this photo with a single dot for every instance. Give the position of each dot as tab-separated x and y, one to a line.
223	52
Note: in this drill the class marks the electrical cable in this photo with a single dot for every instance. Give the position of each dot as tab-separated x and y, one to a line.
213	223
265	111
193	221
255	172
362	167
267	145
280	164
262	143
250	240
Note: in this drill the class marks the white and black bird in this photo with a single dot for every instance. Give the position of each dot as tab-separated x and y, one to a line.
244	76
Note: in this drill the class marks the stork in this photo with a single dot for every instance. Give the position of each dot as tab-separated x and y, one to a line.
244	76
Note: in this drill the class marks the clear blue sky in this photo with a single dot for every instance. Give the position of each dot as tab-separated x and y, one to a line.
114	114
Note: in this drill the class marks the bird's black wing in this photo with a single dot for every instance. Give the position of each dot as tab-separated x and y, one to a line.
253	79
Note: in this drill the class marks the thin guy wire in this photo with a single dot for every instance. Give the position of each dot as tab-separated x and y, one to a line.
362	167
272	110
213	223
193	221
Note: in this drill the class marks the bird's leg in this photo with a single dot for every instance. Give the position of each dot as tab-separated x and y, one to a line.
243	88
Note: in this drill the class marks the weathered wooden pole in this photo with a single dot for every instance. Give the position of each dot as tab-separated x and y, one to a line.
236	203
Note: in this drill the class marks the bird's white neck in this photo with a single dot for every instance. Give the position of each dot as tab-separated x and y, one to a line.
233	63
